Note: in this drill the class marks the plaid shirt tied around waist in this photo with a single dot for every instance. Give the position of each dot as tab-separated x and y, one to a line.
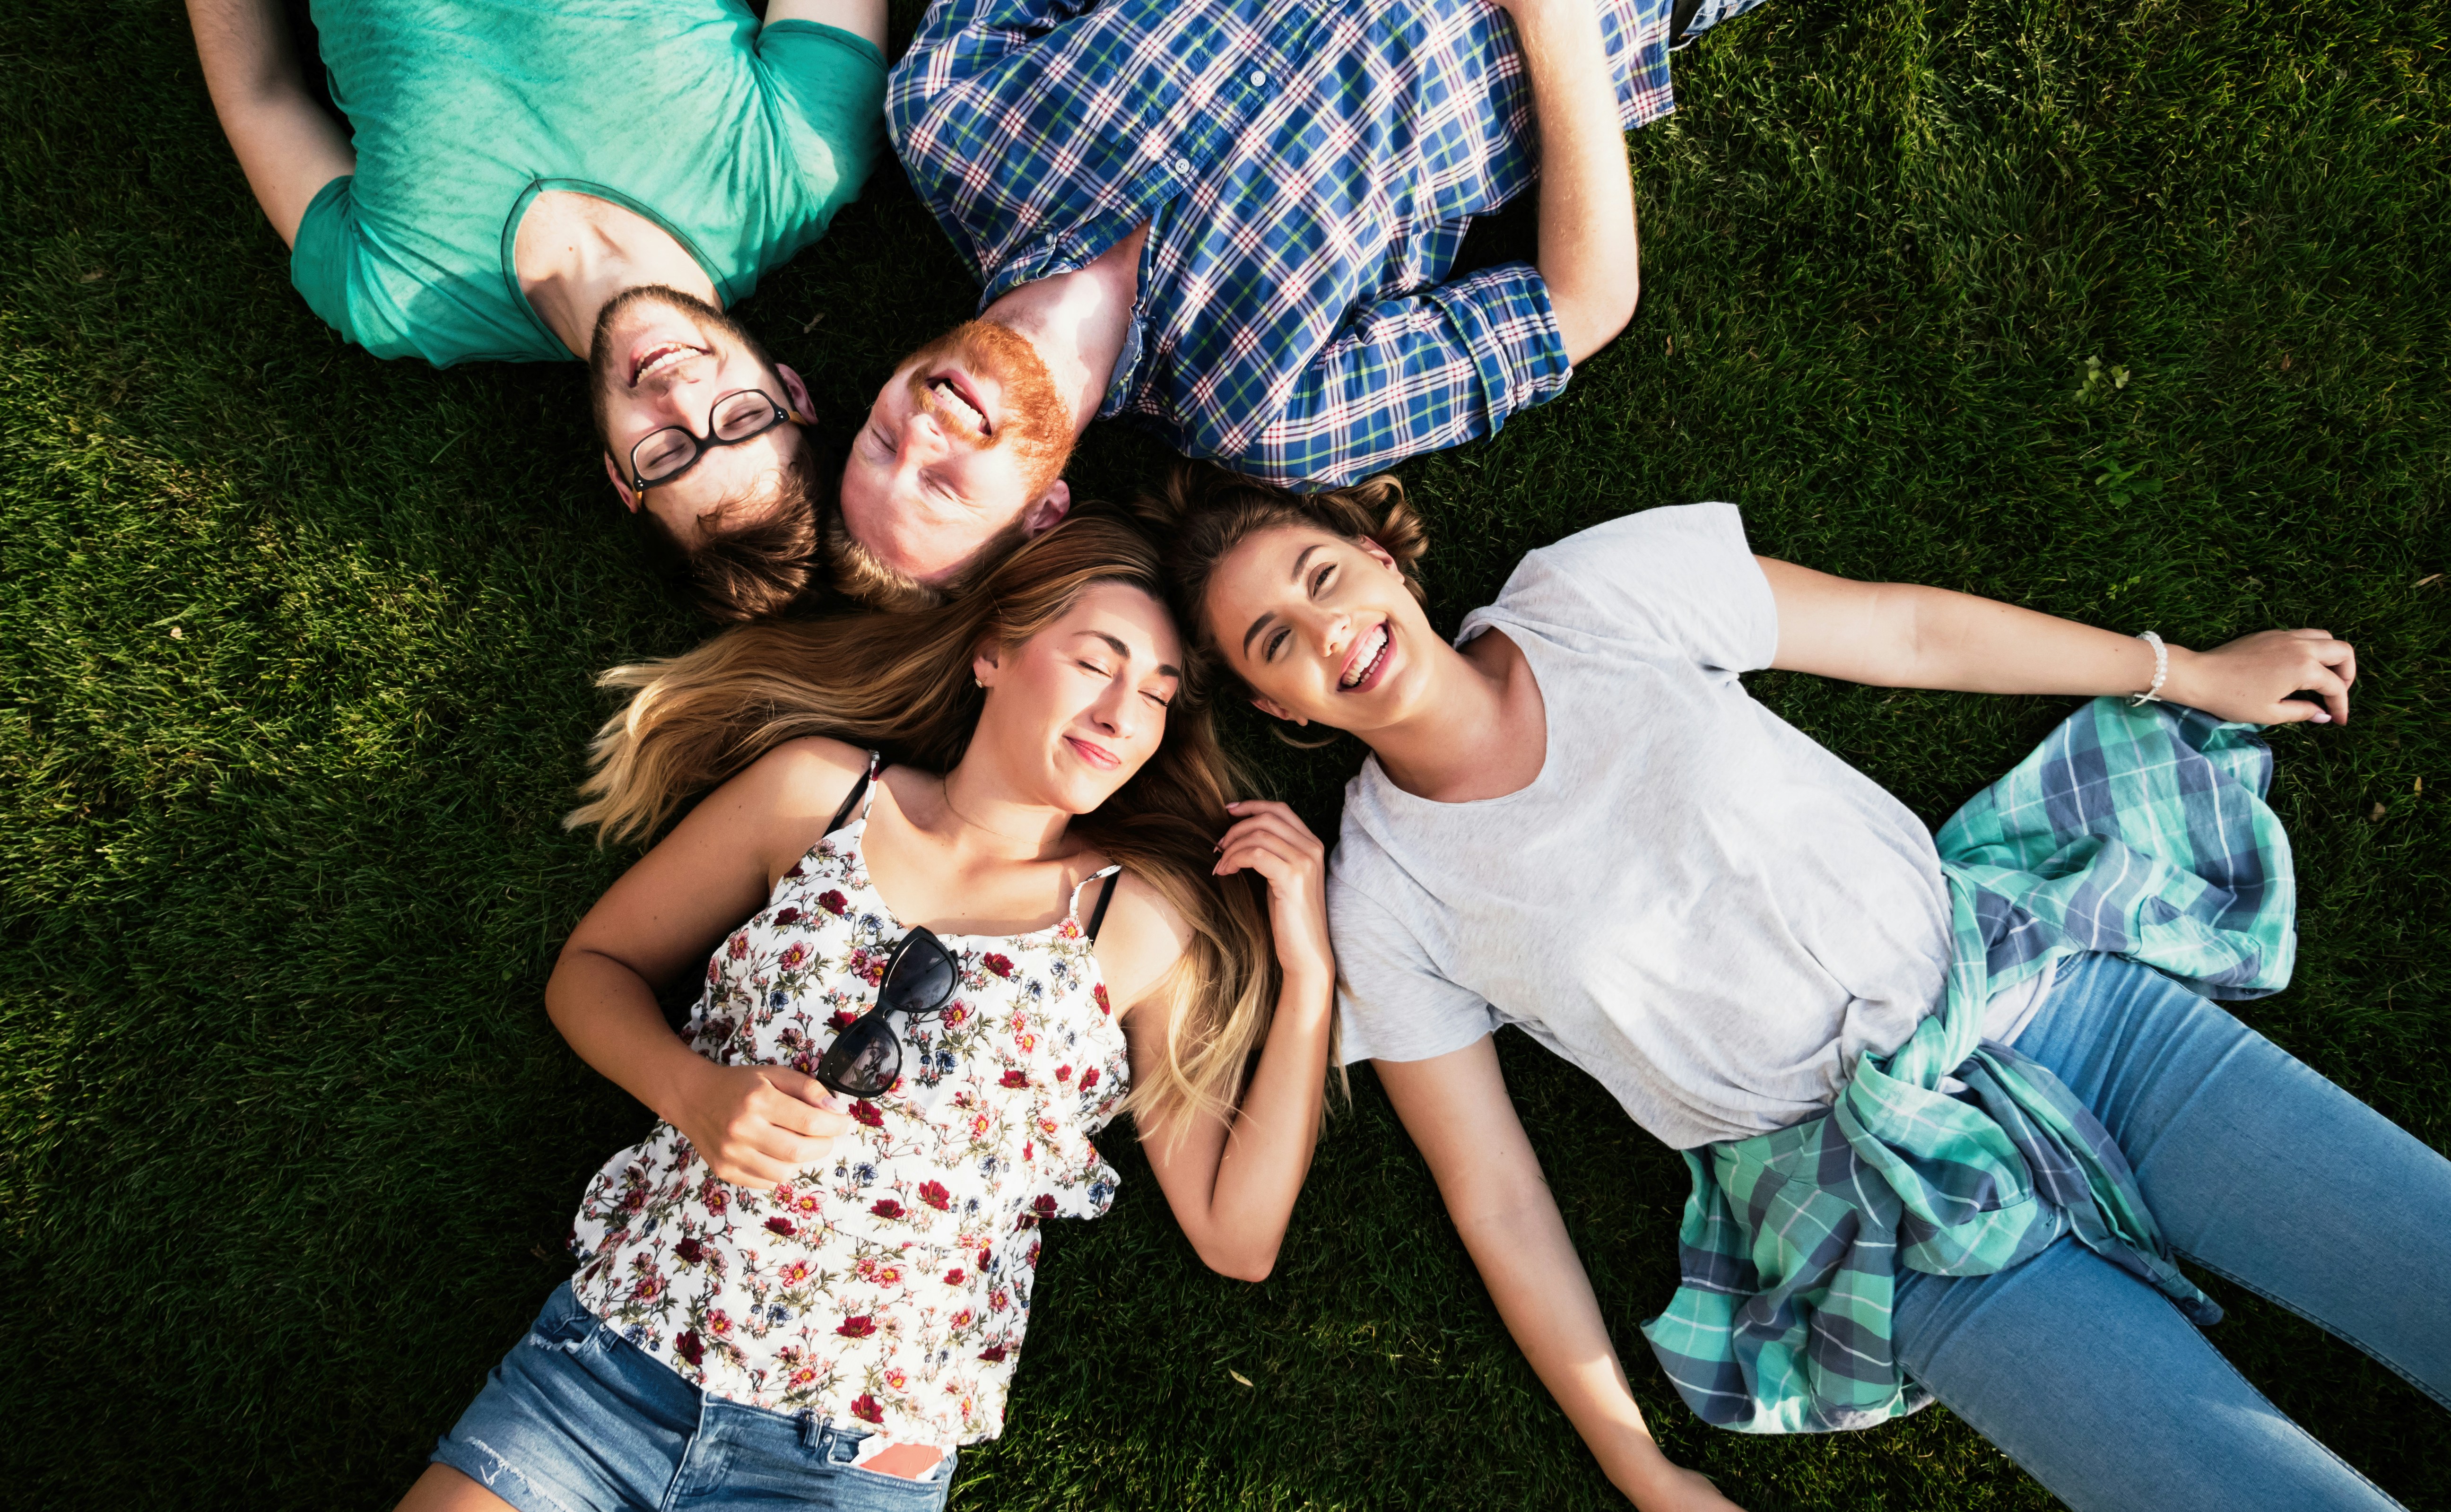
1308	171
2135	832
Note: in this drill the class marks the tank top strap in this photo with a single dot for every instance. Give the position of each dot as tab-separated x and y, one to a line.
1098	914
866	785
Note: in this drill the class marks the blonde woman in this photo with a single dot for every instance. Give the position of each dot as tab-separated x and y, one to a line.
995	892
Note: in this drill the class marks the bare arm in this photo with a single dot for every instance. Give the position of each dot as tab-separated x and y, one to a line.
1231	1181
1456	1108
861	18
287	147
1589	255
1902	636
755	1124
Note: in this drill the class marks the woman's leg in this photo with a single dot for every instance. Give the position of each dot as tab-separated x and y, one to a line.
2092	1382
2257	1169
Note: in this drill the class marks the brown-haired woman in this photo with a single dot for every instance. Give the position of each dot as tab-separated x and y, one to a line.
1952	1106
809	1283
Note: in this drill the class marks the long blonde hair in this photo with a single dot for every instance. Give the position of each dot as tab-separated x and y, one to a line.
901	683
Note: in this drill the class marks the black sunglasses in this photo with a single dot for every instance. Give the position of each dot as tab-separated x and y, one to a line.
865	1058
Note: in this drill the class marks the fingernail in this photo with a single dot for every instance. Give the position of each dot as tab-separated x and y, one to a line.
2321	717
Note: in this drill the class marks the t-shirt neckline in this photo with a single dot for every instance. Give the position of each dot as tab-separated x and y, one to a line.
1478	622
526	202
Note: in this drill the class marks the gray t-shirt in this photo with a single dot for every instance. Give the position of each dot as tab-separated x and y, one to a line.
1694	902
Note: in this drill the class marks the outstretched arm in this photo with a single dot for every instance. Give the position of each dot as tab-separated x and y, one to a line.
1902	636
286	145
1589	255
861	18
1456	1108
1231	1180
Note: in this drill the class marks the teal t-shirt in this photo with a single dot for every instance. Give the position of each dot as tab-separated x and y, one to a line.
741	141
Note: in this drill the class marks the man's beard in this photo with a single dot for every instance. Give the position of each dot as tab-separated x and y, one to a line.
605	375
1037	424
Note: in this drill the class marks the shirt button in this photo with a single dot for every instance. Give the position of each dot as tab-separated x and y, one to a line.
1183	168
1259	79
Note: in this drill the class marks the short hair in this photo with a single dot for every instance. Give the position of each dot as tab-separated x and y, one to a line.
766	567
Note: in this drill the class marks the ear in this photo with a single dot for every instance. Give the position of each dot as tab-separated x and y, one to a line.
1379	554
985	661
1046	511
794	393
1278	711
620	484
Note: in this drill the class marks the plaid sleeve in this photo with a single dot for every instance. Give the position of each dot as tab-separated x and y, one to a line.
1410	375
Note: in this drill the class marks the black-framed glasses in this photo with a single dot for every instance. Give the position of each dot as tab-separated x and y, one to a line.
865	1058
744	414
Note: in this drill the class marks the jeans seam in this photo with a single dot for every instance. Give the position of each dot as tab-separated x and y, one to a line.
2330	1453
2342	1334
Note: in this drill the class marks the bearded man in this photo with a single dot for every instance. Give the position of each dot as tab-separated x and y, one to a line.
1233	222
522	181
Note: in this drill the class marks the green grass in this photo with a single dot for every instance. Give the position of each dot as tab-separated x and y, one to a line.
294	661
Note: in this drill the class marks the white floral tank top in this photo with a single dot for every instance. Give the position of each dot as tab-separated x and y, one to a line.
893	1285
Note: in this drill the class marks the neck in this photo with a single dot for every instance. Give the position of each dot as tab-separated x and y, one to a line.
1078	322
1481	732
985	818
575	253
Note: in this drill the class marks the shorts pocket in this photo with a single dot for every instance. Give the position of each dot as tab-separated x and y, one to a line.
850	1489
562	1324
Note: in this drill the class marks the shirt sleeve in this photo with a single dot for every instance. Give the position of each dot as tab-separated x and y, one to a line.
320	258
1392	1003
1682	575
832	84
1410	375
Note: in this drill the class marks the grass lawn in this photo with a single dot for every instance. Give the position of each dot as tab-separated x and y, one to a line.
294	662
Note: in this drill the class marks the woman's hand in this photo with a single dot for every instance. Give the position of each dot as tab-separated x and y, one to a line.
1272	840
1673	1488
2252	677
758	1125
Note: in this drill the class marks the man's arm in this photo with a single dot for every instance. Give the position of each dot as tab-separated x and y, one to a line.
1456	1108
1589	254
1903	636
286	145
861	18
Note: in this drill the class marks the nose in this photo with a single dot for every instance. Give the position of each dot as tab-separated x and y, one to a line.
1333	626
1118	710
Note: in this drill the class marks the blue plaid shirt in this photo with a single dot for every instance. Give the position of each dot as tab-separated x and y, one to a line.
1308	170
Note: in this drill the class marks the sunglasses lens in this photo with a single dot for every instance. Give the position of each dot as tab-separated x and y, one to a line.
864	1060
922	978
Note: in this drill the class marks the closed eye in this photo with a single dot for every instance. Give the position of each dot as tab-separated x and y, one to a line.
1318	578
1276	643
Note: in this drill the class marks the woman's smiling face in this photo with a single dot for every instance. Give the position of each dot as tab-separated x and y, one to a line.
1321	627
1075	710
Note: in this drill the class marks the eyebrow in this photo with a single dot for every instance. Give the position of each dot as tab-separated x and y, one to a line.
1295	576
1165	669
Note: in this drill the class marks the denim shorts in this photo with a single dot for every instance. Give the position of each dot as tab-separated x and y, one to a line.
577	1418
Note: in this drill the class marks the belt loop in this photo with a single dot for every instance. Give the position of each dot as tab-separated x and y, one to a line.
817	1434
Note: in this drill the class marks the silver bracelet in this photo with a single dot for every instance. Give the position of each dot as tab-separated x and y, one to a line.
2161	671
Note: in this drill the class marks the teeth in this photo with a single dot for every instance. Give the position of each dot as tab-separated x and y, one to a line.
661	356
954	397
1376	647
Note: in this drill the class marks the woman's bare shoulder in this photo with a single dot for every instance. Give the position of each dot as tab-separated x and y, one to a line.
1142	937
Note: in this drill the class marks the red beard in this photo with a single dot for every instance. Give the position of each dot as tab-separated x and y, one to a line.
1037	424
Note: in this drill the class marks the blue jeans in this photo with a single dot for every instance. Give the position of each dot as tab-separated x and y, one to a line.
577	1418
2258	1170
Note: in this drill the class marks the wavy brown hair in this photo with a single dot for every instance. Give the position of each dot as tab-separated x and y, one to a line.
1204	512
901	683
